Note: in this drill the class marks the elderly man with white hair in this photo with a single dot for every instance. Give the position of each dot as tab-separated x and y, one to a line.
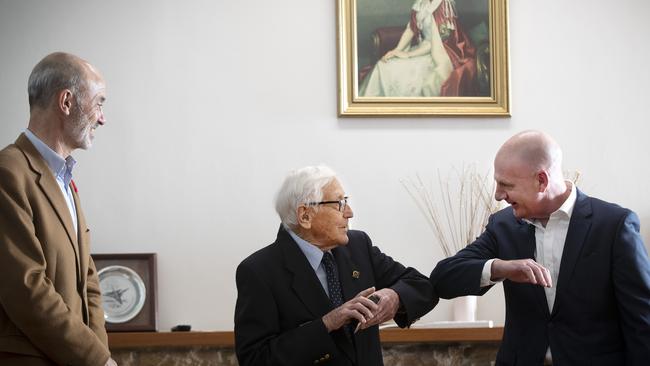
317	294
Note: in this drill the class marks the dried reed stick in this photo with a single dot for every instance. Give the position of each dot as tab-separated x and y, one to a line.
459	213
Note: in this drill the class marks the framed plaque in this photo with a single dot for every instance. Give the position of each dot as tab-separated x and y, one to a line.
128	285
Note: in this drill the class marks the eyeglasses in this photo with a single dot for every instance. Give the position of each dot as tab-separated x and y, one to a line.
342	203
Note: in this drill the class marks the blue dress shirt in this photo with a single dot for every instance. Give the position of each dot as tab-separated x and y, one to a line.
61	168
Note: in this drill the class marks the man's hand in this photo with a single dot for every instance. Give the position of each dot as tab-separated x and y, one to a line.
359	308
387	308
110	362
523	271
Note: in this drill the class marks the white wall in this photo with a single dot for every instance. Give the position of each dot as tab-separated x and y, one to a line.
212	102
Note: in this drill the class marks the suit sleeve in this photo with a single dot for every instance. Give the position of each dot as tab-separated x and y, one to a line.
27	296
258	337
416	294
631	277
95	309
460	274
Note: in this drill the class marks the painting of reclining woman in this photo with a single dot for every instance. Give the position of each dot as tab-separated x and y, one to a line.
434	48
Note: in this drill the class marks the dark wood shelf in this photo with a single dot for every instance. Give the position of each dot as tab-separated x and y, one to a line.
226	339
441	335
170	339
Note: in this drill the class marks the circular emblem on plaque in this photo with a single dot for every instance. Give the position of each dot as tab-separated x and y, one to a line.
123	293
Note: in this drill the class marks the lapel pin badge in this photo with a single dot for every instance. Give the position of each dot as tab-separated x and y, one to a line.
356	274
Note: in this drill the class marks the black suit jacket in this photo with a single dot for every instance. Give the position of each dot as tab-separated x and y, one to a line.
280	304
601	313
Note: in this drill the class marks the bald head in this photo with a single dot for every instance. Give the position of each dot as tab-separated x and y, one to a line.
56	72
528	174
532	151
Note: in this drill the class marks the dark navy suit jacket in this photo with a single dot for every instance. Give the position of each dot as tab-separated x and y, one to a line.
601	313
280	303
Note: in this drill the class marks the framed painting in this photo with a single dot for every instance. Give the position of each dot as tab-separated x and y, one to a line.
423	58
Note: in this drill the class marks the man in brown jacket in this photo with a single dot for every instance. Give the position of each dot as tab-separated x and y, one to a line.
50	302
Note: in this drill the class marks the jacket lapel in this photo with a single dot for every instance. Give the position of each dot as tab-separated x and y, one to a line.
305	284
84	254
348	273
84	245
527	250
526	240
578	229
50	188
308	288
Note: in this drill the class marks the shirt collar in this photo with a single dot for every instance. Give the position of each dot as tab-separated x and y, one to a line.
313	253
566	209
60	167
567	206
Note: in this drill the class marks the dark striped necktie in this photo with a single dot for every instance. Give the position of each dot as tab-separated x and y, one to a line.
333	284
334	288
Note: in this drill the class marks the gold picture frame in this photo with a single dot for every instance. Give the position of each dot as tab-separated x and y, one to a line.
488	96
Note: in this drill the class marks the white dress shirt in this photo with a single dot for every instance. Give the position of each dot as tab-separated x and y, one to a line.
549	242
549	246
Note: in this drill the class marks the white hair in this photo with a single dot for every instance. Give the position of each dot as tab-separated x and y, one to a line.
301	187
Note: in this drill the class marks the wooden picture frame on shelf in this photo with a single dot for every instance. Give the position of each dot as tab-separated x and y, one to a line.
128	282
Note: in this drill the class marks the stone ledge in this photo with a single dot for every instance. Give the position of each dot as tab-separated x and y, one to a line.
423	354
400	347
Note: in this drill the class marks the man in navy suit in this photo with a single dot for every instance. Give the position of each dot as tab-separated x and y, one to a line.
575	272
317	294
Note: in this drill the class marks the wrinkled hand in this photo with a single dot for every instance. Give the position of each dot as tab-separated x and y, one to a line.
387	308
359	308
523	271
110	362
